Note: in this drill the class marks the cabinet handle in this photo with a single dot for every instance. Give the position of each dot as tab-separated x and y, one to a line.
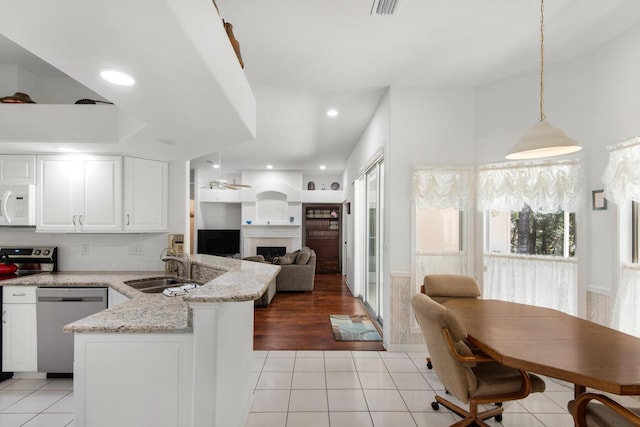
3	316
19	295
127	219
74	221
80	219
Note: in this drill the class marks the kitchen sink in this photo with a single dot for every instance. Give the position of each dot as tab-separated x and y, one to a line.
155	286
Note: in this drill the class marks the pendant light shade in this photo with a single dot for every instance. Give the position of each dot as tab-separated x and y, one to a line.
542	140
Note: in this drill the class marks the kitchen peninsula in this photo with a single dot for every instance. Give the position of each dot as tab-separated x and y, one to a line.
166	361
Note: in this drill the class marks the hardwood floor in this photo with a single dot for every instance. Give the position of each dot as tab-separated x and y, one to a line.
300	320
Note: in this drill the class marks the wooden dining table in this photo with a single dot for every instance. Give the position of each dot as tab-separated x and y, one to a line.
553	343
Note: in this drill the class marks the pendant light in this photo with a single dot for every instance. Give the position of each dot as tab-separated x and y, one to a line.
542	140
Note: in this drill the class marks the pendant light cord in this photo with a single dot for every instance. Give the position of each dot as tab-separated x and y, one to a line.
542	116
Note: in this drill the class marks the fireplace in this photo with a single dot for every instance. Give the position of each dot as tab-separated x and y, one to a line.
270	252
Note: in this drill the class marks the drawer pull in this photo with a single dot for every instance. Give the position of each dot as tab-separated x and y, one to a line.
19	295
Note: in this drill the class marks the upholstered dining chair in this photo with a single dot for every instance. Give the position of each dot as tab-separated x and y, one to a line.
443	287
472	378
598	410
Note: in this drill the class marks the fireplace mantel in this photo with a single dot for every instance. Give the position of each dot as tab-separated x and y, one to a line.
283	234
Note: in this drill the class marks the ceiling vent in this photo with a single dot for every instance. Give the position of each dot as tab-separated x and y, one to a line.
384	7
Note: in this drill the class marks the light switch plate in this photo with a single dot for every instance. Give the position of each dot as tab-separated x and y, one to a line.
136	249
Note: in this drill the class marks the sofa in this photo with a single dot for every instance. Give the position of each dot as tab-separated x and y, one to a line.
297	272
268	295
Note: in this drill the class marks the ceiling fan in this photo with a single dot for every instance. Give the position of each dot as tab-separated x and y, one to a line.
221	183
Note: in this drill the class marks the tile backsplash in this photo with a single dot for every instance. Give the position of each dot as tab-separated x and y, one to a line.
94	252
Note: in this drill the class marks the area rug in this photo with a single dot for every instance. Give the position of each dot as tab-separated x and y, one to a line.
353	328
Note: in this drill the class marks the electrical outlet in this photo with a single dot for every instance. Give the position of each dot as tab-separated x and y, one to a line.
136	249
84	249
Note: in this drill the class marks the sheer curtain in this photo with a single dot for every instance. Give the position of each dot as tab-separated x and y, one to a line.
542	281
621	177
442	187
621	180
626	311
548	187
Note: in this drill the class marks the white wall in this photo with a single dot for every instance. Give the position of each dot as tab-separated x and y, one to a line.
373	140
413	126
428	126
221	216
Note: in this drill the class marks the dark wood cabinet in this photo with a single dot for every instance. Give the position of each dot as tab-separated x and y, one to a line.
322	231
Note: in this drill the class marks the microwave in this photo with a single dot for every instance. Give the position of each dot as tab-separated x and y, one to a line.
18	205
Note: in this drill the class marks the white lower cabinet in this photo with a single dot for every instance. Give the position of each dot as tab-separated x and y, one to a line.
19	329
133	380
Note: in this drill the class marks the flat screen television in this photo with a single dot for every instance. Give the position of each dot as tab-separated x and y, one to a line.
219	242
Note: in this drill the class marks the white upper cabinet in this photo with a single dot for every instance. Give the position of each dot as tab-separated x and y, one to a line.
17	169
145	194
78	194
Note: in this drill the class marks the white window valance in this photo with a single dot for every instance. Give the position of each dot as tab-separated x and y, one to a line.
547	187
621	177
443	187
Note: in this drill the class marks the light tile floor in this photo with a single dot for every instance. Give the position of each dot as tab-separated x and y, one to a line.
367	389
36	403
316	389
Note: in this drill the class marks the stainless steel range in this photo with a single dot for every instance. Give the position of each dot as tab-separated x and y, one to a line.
27	260
23	261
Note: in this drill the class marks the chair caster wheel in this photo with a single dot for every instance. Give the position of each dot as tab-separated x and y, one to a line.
435	406
498	403
498	417
429	365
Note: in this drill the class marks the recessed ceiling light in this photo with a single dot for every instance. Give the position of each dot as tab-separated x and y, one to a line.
323	167
117	78
269	166
216	166
332	113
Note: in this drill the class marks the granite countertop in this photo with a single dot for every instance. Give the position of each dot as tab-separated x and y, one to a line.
224	280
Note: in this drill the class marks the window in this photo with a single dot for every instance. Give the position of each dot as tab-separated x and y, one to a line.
438	230
532	233
441	195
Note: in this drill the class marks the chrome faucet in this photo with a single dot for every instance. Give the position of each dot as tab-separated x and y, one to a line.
183	259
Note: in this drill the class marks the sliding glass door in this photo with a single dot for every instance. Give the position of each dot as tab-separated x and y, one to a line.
372	221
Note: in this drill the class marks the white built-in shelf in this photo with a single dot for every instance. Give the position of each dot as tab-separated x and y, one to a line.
322	196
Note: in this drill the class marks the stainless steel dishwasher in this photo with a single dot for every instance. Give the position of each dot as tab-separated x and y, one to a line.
57	307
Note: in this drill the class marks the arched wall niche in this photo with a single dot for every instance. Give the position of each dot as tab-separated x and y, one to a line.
271	206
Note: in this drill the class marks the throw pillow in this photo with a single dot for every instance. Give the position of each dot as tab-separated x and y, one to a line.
303	257
284	260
